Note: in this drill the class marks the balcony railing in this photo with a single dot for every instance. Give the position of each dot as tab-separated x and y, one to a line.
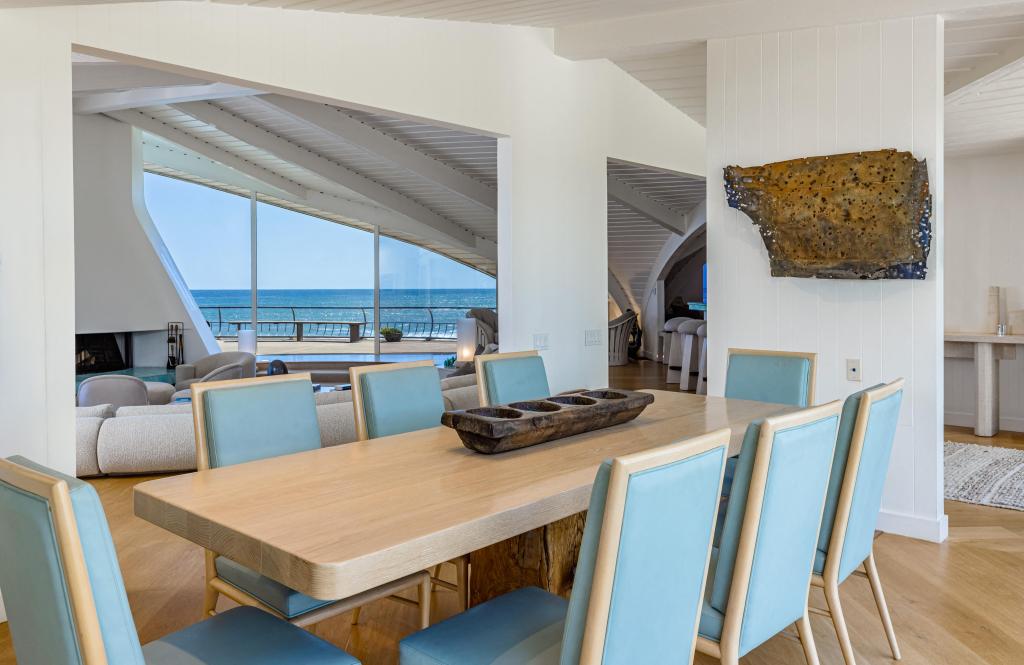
350	323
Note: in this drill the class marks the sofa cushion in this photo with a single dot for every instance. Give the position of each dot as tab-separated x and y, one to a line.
467	397
87	431
147	444
333	397
159	392
158	410
97	411
459	381
337	424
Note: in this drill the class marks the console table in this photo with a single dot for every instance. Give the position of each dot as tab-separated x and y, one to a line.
986	350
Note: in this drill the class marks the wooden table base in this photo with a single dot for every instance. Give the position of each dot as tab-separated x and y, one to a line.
544	557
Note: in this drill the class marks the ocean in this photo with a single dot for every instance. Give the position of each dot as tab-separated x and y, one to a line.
417	312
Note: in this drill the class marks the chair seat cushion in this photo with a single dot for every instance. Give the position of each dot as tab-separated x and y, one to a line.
289	602
711	622
523	627
819	562
244	635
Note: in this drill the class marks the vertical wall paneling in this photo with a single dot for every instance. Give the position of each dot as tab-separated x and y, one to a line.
823	91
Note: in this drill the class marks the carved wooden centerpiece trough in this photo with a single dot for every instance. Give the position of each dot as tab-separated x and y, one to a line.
497	429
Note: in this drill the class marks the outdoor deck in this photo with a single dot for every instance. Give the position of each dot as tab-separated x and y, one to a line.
336	347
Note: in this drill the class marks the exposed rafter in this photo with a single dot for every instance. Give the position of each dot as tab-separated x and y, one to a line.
622	297
646	206
102	102
105	76
989	68
259	137
153	126
335	122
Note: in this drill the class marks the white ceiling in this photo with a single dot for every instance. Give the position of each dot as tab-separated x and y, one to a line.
678	74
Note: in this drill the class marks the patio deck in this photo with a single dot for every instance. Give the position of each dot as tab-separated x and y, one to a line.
337	347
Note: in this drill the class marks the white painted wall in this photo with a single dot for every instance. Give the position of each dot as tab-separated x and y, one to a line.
983	248
814	92
125	279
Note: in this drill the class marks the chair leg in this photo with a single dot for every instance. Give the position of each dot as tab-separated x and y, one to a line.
423	595
883	608
835	608
434	573
803	626
210	596
355	614
462	581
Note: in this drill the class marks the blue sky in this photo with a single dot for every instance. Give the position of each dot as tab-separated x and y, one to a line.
207	233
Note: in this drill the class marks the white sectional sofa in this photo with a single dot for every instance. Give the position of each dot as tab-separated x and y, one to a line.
158	439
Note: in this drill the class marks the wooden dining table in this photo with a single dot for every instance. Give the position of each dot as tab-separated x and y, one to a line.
334	522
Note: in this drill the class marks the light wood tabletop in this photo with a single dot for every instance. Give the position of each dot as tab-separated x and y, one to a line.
334	522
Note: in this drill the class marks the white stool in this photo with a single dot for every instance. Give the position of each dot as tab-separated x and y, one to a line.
675	349
689	366
702	378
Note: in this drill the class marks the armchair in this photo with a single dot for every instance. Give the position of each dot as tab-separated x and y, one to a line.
206	369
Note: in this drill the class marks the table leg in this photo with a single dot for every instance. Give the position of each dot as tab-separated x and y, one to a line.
353	332
987	408
545	557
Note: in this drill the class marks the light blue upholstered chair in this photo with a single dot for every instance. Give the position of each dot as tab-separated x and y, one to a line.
771	376
66	601
251	419
395	398
503	378
761	572
639	579
866	434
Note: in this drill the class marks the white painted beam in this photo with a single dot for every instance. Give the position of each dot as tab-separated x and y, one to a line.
97	76
646	206
993	67
258	137
381	145
699	22
166	132
101	102
622	297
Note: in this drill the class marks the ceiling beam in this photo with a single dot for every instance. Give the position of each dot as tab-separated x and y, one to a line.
698	22
168	133
646	206
960	84
102	102
381	145
258	137
96	76
622	296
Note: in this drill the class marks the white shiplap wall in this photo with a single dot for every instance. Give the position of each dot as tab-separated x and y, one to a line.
817	92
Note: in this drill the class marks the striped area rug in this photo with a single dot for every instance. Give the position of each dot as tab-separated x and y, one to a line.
984	475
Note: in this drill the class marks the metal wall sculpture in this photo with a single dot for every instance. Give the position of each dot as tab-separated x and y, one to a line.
860	215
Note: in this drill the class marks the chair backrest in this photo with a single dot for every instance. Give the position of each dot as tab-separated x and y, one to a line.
783	377
394	398
62	585
211	362
116	389
226	372
511	377
249	419
648	535
863	448
769	539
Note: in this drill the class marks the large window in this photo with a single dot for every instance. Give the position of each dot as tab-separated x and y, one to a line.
315	282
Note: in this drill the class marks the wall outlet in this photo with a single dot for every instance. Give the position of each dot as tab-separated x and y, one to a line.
853	369
540	341
592	337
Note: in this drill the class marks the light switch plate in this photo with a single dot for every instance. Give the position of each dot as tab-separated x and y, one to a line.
853	369
592	337
540	341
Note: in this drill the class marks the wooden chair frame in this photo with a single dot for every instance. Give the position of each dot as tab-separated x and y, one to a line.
829	582
727	650
356	374
481	363
811	357
69	544
216	586
623	468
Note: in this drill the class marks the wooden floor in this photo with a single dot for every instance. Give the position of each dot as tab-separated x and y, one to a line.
959	603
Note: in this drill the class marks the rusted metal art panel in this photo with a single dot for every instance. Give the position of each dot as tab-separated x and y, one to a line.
859	215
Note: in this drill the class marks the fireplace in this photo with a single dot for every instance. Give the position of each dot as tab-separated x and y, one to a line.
100	352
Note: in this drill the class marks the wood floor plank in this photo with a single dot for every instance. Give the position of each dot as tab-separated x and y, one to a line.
952	604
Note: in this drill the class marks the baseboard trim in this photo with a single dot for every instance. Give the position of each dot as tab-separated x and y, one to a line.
912	526
964	419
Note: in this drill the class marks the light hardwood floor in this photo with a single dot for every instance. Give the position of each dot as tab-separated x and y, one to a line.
958	603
